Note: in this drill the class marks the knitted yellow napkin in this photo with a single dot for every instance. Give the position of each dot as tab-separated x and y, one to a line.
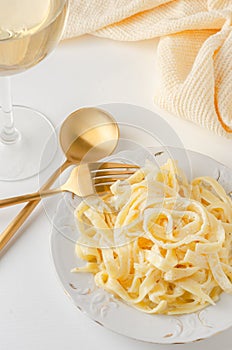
194	51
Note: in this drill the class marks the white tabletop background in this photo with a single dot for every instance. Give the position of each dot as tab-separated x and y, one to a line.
34	311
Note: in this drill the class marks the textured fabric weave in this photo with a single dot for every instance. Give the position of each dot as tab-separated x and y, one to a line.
194	51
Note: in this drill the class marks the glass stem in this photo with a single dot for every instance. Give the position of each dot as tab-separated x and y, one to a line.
9	134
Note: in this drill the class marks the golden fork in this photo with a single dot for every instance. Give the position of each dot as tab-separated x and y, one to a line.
84	180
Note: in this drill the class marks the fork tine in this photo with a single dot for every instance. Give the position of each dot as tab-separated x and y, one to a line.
105	179
109	182
95	167
103	188
103	174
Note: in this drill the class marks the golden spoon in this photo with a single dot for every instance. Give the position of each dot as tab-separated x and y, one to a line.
89	133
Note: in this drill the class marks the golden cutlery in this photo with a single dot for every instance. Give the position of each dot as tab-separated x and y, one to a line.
85	180
89	133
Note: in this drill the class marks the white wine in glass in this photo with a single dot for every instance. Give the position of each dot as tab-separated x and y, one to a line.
29	30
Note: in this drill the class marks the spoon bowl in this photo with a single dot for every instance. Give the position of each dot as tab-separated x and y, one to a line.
88	135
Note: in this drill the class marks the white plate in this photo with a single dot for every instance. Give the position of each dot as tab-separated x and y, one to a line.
116	315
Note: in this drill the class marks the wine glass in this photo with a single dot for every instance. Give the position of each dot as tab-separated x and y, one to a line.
29	30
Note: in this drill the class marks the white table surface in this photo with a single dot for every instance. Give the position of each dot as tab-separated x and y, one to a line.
34	311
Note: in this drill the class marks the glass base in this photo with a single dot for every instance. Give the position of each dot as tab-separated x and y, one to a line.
23	159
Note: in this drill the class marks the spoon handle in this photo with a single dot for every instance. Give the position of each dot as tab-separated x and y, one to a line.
29	197
18	221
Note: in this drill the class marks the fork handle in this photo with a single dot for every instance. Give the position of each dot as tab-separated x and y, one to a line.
28	197
18	221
